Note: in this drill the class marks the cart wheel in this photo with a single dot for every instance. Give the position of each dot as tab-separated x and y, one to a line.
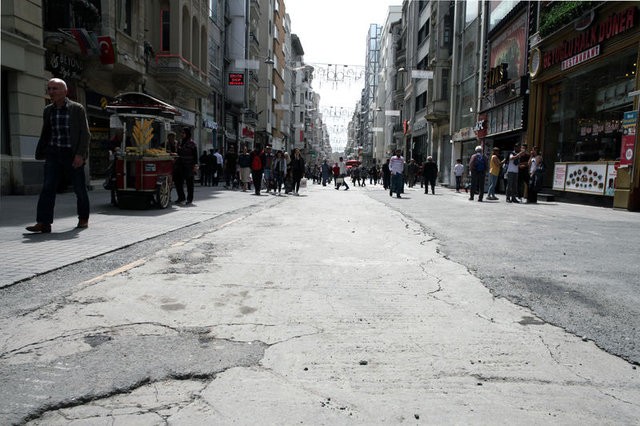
163	194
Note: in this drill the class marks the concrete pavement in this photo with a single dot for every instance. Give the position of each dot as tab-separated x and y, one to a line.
342	311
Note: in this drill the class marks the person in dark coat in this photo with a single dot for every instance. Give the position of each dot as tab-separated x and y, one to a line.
64	145
386	175
430	174
297	170
184	167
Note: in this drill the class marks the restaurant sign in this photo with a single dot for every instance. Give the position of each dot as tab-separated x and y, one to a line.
590	38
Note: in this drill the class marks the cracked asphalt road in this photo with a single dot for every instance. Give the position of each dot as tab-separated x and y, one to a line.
336	307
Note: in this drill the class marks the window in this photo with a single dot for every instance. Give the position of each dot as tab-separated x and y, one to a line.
498	10
213	9
421	101
471	11
65	14
444	78
165	33
423	33
5	146
124	16
584	110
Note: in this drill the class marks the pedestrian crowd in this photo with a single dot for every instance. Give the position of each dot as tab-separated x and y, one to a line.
64	146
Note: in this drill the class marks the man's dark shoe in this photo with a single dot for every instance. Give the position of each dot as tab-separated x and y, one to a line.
83	223
42	228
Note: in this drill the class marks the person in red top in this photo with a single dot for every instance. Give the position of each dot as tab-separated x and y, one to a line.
336	175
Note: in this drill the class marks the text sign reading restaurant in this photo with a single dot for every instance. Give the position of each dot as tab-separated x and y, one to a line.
236	79
584	45
580	58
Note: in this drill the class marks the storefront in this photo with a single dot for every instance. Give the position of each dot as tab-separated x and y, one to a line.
502	122
419	141
582	78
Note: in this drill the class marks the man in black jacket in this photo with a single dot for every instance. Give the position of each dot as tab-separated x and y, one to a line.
64	145
478	168
184	167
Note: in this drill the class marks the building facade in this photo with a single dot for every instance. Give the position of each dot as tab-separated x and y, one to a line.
101	49
584	102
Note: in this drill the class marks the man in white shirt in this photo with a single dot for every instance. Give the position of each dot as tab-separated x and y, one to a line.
220	162
512	173
343	174
396	166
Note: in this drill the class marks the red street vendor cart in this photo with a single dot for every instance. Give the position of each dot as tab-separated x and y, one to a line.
143	168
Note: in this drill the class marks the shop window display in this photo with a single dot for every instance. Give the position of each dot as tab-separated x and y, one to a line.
584	111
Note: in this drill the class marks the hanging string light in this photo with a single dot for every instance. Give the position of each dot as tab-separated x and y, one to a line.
336	75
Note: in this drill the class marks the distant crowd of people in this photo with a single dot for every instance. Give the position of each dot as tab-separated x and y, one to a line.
277	172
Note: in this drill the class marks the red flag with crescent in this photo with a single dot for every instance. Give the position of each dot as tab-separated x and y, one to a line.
107	52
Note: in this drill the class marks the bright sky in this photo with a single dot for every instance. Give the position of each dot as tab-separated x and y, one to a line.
335	32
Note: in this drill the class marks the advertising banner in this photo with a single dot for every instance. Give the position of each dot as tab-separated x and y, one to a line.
629	124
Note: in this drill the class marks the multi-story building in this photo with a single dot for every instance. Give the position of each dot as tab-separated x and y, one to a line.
296	74
502	118
22	92
213	112
387	111
371	78
162	49
241	69
466	83
583	101
437	58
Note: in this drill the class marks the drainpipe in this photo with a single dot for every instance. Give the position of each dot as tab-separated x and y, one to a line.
455	78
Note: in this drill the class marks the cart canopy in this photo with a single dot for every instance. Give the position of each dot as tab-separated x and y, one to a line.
137	103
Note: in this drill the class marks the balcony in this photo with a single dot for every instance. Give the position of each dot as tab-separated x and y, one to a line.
437	111
174	70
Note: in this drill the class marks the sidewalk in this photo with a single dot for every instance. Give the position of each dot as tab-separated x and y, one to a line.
26	255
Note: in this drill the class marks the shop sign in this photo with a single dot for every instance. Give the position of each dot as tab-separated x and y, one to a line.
589	178
248	133
615	24
580	58
559	176
497	76
629	127
419	125
236	79
510	47
480	128
612	174
208	123
186	117
463	134
63	66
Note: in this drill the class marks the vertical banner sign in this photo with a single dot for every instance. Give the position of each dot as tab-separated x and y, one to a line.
629	124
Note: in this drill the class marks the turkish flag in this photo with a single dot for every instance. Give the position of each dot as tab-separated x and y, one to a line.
107	52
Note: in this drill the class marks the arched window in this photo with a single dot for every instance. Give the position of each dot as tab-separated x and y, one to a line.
195	43
204	50
165	26
186	34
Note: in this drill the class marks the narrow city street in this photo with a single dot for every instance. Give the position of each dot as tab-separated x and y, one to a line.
332	307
